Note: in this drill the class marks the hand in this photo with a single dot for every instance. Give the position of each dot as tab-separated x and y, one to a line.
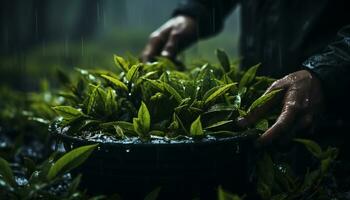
168	40
302	101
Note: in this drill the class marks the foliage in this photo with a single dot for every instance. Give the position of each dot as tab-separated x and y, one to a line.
42	181
154	99
277	180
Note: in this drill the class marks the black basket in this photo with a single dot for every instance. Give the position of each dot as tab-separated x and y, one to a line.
183	170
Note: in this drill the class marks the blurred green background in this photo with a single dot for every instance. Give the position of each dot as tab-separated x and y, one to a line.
39	36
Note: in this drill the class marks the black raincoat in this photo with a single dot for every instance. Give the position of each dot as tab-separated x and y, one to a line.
286	36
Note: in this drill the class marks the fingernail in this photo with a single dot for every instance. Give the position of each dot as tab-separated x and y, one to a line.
165	53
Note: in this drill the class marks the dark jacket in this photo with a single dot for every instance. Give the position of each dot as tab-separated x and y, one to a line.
286	36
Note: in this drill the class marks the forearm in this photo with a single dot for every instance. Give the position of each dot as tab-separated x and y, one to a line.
333	68
210	14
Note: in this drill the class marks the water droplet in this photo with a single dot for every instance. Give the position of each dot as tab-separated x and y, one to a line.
127	150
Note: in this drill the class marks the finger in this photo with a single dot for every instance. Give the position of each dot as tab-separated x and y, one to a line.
256	114
285	120
173	45
155	44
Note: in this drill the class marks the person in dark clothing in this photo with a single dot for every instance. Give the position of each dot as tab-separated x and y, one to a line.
304	44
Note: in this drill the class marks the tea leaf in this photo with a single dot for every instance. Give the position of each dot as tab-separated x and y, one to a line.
91	100
311	146
156	84
216	93
144	117
68	113
266	175
248	76
126	126
262	125
157	133
119	131
132	72
223	59
154	194
218	124
70	161
116	82
123	64
263	99
173	92
196	127
223	195
6	173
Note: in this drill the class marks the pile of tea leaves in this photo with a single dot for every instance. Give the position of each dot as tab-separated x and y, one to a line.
155	100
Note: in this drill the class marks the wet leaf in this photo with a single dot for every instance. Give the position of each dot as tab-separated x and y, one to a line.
262	125
117	83
68	113
196	128
123	64
263	99
223	59
224	195
248	76
265	171
218	124
6	172
119	131
216	92
132	72
154	194
172	92
311	146
70	161
144	117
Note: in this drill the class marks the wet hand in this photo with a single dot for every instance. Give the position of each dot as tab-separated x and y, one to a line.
172	37
301	99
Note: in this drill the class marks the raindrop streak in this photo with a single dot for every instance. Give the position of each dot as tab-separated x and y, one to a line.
82	46
43	48
36	24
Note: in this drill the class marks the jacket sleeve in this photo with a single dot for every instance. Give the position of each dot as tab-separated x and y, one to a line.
333	68
210	14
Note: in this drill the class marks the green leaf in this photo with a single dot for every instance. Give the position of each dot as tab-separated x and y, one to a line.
119	131
263	99
216	92
154	194
311	146
156	84
70	161
117	83
131	75
68	113
123	64
144	117
223	59
126	126
218	124
224	195
196	128
91	100
265	172
262	125
111	102
6	173
173	92
248	76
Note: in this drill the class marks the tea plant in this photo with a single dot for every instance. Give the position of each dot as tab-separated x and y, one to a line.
148	100
47	180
